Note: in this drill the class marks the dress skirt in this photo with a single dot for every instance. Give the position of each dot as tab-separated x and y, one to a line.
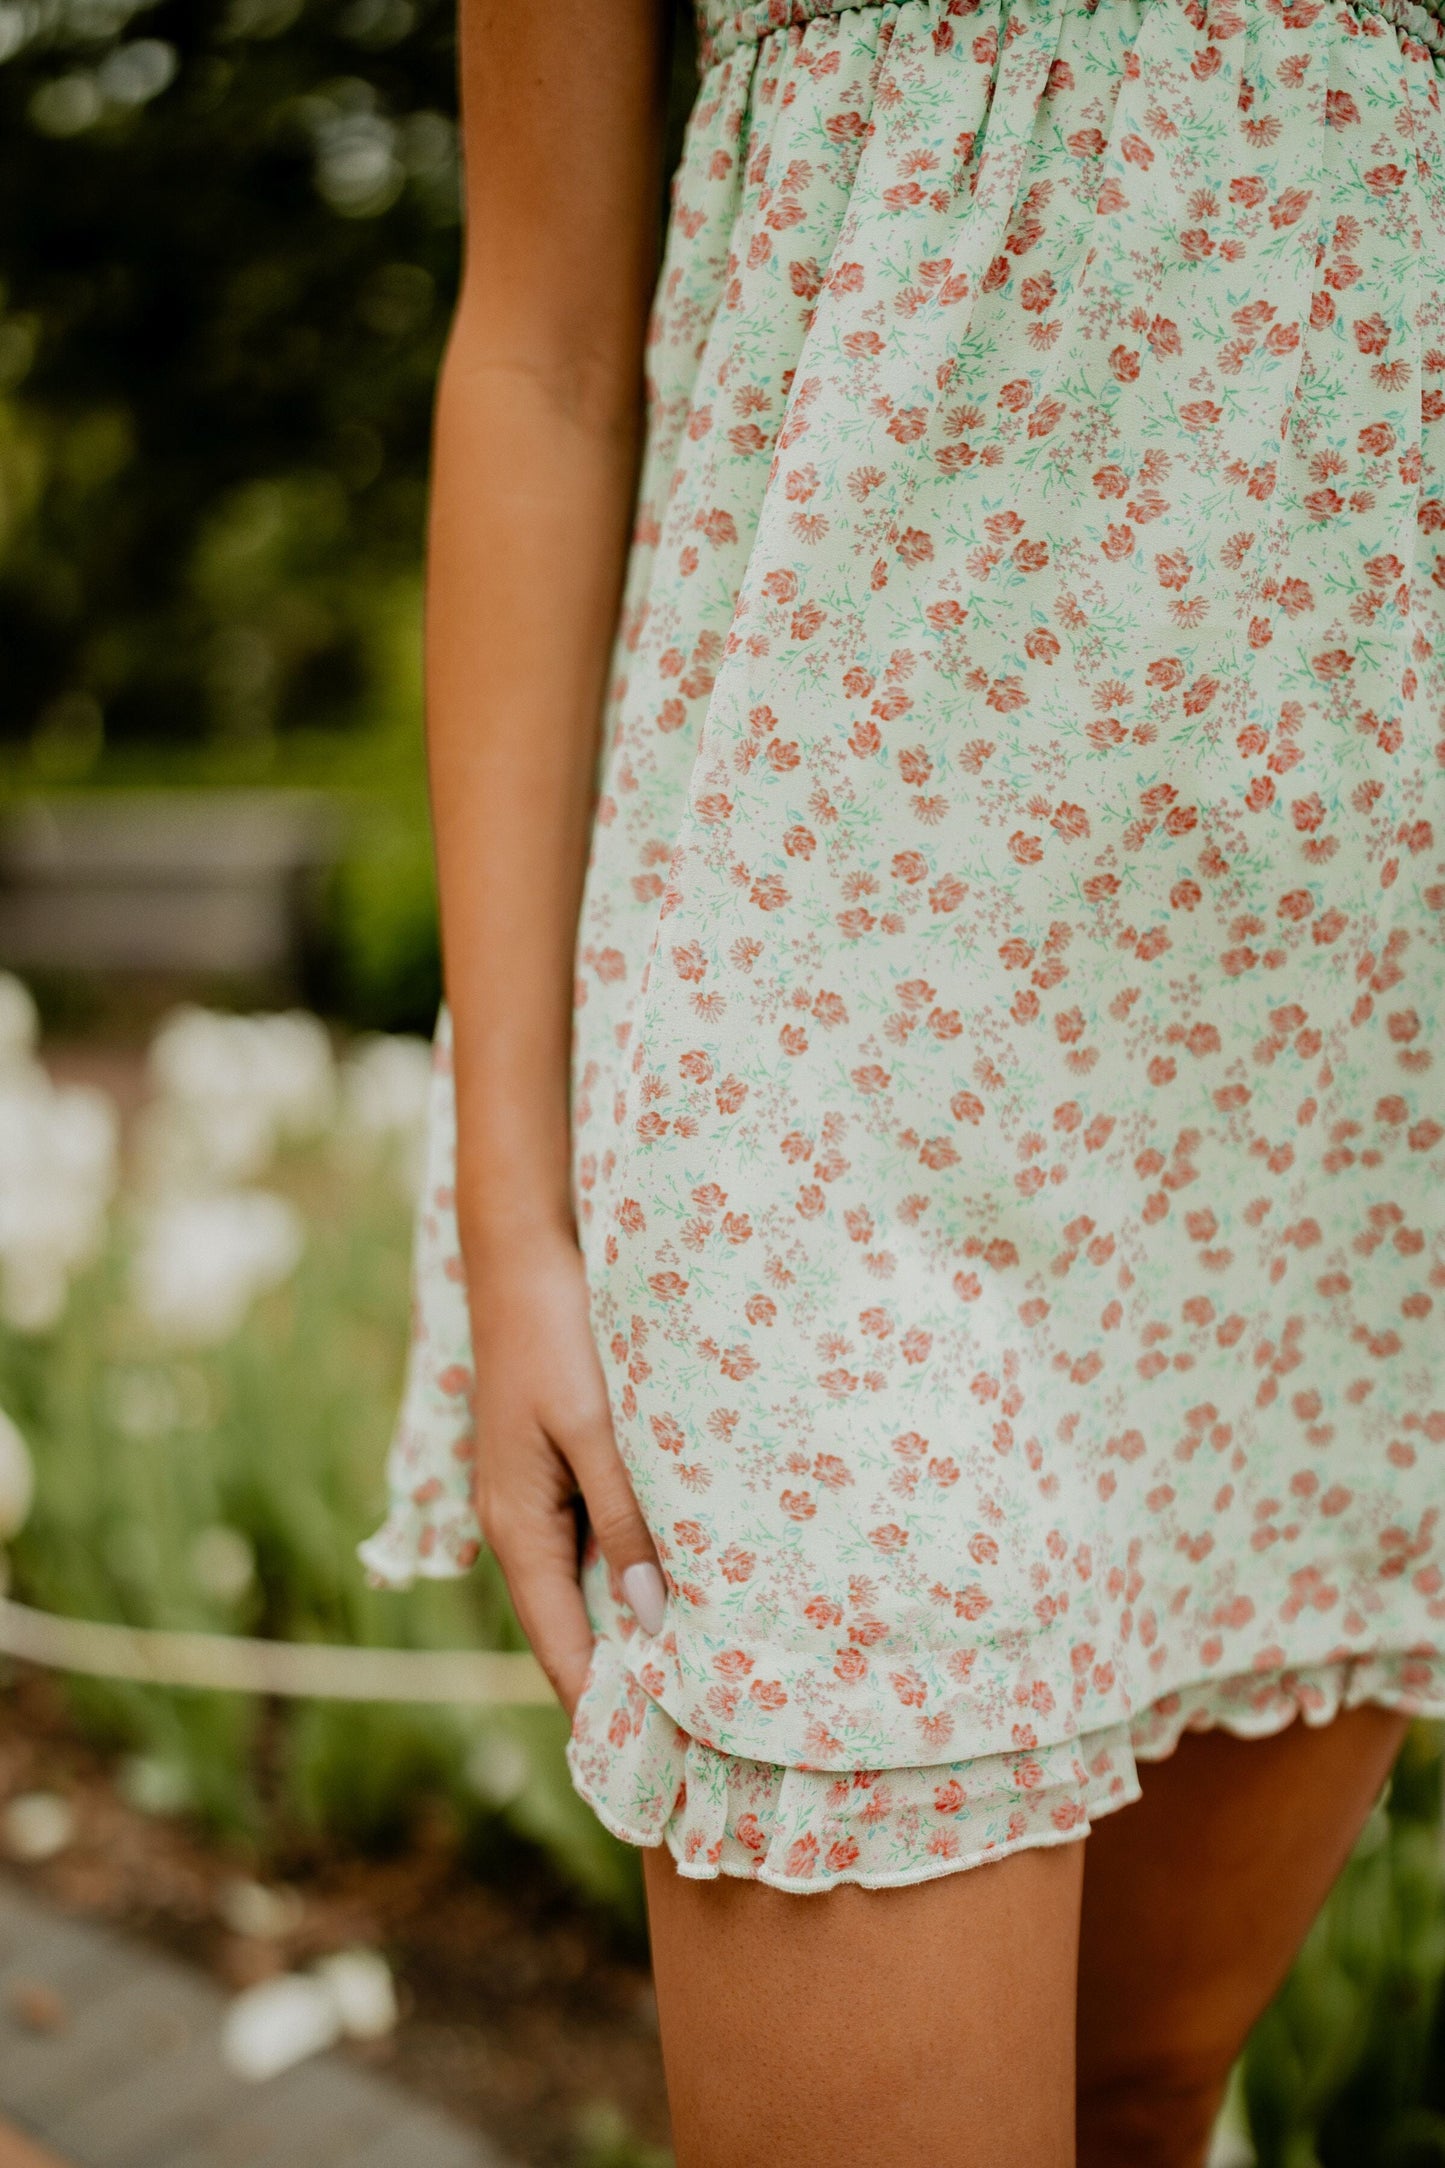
1009	1140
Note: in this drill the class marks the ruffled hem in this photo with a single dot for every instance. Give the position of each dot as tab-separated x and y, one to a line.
803	1830
421	1542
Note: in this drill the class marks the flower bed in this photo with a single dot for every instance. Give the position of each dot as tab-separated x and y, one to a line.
201	1342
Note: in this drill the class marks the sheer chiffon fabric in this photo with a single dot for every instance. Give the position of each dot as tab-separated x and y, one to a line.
1010	988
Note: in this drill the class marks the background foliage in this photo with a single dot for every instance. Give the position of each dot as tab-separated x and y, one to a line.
1347	2069
228	245
223	1488
228	248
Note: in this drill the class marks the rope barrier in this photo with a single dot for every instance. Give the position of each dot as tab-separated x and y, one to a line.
234	1664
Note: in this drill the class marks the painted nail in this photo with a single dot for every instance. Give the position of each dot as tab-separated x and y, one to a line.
646	1592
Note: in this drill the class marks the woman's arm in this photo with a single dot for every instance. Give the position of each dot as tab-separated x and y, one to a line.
537	437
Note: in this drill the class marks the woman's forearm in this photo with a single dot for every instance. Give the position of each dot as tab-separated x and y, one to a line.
528	536
538	426
537	437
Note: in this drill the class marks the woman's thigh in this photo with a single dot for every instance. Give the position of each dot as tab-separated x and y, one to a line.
933	2023
1196	1899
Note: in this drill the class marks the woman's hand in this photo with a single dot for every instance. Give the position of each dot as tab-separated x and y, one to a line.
538	435
544	1436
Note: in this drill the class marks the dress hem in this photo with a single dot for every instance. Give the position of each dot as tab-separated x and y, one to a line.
800	1886
802	1831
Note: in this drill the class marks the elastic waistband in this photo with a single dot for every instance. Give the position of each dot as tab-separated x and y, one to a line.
752	20
755	19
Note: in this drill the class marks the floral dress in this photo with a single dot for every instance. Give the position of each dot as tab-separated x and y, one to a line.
1009	1141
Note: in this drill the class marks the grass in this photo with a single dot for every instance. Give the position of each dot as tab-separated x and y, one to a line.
276	1439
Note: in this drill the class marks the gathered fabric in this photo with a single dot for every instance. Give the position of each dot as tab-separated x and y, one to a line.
723	27
803	1829
1009	1151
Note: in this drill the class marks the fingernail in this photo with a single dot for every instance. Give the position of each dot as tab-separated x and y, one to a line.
646	1593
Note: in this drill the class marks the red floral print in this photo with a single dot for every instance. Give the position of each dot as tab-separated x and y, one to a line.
1008	1142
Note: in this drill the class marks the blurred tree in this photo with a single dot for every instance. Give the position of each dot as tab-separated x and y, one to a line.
228	243
228	249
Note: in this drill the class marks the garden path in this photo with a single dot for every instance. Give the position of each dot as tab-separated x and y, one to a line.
110	2058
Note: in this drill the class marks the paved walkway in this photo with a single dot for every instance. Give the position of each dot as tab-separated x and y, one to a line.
110	2058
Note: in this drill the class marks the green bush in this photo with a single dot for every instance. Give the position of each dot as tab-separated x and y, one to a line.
1347	2069
143	1453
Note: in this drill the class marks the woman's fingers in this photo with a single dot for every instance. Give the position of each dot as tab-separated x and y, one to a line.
554	1618
546	1434
525	1509
577	1418
525	1506
616	1519
531	1528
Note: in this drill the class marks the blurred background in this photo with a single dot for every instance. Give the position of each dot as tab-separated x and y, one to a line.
228	249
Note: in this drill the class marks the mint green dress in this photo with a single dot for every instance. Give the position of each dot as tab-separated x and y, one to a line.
1009	1113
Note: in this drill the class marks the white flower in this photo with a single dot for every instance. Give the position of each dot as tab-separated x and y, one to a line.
37	1825
58	1158
386	1081
230	1089
153	1784
363	1991
293	1068
83	1135
386	1084
200	1262
277	2023
19	1024
222	1563
499	1768
17	1479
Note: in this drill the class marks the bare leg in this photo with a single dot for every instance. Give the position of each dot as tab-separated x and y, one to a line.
1195	1902
888	2028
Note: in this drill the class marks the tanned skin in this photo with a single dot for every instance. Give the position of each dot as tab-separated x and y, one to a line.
1081	2003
